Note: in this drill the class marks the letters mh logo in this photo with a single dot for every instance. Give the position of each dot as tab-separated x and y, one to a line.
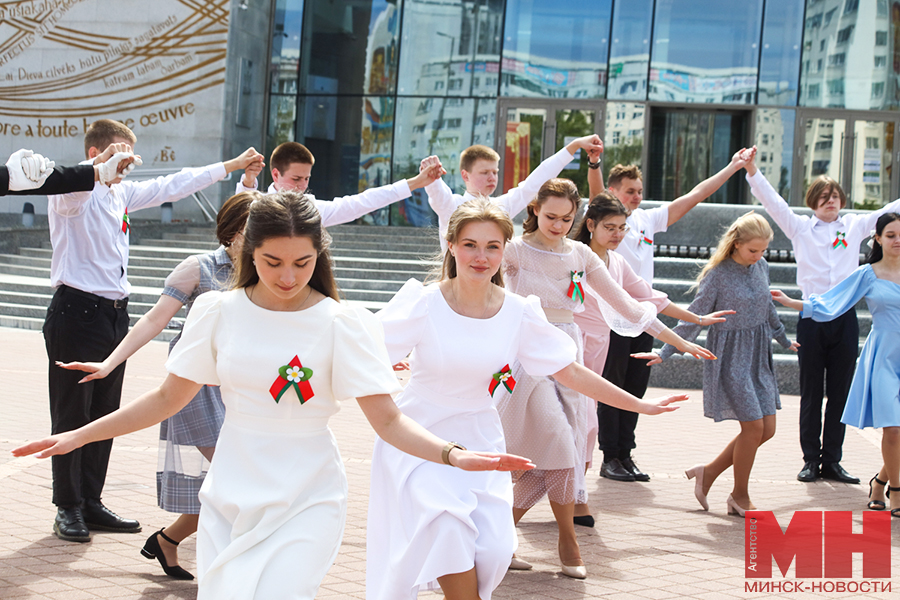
821	544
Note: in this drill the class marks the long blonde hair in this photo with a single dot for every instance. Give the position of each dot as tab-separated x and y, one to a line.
478	210
750	226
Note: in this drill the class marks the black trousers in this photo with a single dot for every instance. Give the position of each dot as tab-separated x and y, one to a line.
616	436
827	358
81	327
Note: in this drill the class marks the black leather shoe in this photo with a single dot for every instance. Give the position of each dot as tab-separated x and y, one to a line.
809	472
836	472
628	465
98	517
69	525
584	520
615	471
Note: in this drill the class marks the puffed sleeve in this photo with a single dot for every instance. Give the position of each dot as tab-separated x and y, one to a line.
703	304
624	315
194	356
840	298
361	364
403	320
543	348
183	280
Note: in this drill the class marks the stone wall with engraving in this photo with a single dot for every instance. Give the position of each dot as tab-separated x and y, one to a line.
158	66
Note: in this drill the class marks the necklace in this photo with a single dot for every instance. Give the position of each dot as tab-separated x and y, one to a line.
456	302
557	249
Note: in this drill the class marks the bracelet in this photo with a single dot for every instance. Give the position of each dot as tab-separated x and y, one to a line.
445	453
700	321
595	165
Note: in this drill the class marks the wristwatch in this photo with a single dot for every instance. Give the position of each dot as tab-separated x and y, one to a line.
445	454
595	165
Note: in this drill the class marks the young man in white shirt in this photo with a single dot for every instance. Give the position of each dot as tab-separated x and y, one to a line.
87	317
291	164
826	248
616	436
479	167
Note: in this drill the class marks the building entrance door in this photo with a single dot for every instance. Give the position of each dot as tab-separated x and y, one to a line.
856	149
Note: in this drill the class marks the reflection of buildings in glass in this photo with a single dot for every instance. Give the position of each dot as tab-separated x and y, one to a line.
628	77
624	133
824	141
375	147
842	67
770	146
873	151
552	78
381	51
680	83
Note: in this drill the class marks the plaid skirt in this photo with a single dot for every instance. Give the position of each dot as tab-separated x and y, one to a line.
182	468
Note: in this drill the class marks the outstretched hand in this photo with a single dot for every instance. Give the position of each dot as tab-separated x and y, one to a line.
430	170
489	461
652	358
61	443
96	370
717	317
696	351
795	347
658	406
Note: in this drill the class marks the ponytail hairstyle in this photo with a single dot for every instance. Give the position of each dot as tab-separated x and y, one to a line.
750	226
877	253
555	188
478	210
286	214
603	206
233	216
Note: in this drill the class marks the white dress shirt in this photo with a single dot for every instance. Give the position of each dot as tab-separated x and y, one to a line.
637	245
443	201
826	253
349	208
90	248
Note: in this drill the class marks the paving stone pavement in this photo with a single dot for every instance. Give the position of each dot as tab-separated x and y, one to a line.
651	540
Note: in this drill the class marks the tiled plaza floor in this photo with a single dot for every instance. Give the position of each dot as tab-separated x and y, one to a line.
652	540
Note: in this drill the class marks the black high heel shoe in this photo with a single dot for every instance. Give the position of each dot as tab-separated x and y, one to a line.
152	550
895	512
877	504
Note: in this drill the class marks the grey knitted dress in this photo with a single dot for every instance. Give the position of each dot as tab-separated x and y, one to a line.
741	384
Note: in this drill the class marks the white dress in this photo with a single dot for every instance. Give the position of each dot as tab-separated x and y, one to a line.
427	520
274	500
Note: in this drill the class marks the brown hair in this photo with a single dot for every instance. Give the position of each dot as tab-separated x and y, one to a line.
102	132
289	153
750	226
821	184
233	216
286	214
555	188
620	172
603	206
477	152
477	210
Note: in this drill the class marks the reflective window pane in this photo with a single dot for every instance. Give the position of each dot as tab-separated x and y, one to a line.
443	127
870	173
350	47
351	139
780	65
450	48
572	124
775	149
851	58
629	54
823	149
623	138
285	46
524	143
705	51
555	48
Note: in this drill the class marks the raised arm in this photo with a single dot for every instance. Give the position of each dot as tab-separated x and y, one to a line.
775	205
706	188
595	176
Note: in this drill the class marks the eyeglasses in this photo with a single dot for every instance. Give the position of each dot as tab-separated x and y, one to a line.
611	229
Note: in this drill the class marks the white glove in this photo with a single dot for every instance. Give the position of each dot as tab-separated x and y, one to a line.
27	170
109	171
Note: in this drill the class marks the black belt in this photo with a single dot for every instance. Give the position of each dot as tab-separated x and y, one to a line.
120	303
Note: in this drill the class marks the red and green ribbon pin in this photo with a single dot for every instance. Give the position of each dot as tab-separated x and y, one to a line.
645	239
576	291
293	376
839	240
126	222
505	377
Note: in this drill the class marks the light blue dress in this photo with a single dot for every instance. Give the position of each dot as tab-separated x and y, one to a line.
874	399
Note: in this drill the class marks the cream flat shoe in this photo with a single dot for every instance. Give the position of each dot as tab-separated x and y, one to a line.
696	473
517	564
579	572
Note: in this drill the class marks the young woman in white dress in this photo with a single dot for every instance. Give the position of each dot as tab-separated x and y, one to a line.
284	351
430	526
545	417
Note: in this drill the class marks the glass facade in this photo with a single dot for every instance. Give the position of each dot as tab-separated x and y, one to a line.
674	86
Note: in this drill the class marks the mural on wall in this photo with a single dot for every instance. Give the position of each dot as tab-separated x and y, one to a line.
158	67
